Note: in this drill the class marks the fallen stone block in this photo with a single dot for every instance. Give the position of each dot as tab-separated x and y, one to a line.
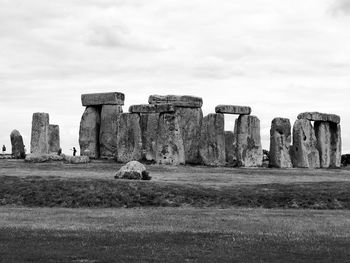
108	130
317	116
170	145
212	140
249	151
40	133
108	98
176	100
280	141
89	132
233	109
17	145
54	138
129	141
41	158
75	159
133	171
151	108
304	151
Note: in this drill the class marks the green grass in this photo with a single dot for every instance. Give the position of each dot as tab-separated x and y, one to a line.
173	235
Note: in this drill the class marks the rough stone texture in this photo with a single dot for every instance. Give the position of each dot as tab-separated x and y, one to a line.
317	116
170	146
42	158
54	138
129	142
179	101
151	108
190	122
336	145
17	145
345	159
149	130
76	159
304	153
89	132
323	137
248	143
108	98
280	141
229	147
133	171
108	130
212	141
233	109
40	133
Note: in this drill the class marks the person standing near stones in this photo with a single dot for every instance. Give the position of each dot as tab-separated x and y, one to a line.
74	151
3	149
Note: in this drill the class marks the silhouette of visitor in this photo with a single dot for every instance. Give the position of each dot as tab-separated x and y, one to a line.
3	149
74	151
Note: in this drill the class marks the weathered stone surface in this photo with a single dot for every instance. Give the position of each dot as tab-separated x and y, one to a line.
76	159
233	109
89	132
170	146
212	141
336	145
248	143
179	101
149	130
280	141
190	122
230	150
54	138
40	133
151	108
317	116
304	153
42	158
129	142
108	130
17	145
133	171
345	159
323	137
108	98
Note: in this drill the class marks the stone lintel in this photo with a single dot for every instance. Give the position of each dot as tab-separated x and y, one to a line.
108	98
151	108
177	100
317	116
233	109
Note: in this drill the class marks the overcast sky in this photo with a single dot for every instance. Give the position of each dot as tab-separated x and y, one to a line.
279	57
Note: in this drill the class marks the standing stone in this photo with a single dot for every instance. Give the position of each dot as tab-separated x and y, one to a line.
248	143
89	132
212	142
170	146
336	147
229	147
190	122
17	144
149	129
40	133
129	142
54	138
108	130
304	152
280	140
323	137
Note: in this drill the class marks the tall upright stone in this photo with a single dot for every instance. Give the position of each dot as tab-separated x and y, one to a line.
108	131
149	130
40	133
212	141
89	132
336	145
304	151
230	150
54	138
17	145
170	145
248	143
190	122
129	141
280	141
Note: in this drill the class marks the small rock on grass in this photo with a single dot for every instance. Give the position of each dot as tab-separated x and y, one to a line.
133	170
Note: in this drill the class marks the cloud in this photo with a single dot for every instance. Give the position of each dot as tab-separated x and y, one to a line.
340	7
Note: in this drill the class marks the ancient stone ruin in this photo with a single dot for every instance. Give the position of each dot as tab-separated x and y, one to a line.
315	145
45	138
17	145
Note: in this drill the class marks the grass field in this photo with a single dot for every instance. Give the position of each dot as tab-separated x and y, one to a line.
55	212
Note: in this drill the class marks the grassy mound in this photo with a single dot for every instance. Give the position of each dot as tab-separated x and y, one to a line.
73	192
